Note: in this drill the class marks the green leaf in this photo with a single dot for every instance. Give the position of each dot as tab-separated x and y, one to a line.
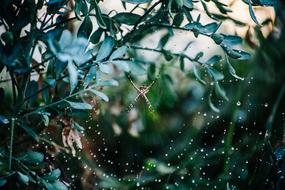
85	28
100	94
32	87
109	82
51	82
167	55
30	132
230	40
106	68
197	74
188	3
198	56
73	76
251	12
79	105
46	118
182	64
136	68
214	60
218	38
23	178
119	53
95	37
53	175
3	120
57	185
178	19
243	55
77	127
212	106
90	75
232	70
99	19
33	157
105	49
136	1
122	65
237	54
220	92
179	3
2	182
209	28
127	18
164	169
78	7
215	74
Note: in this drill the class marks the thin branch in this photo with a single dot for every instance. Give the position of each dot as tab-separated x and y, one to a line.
11	143
161	51
140	20
55	103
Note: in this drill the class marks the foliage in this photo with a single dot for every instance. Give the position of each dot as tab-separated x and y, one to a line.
57	77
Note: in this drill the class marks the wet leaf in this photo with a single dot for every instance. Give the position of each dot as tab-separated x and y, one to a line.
251	12
80	105
212	106
106	68
197	74
110	82
232	70
53	175
85	28
3	120
215	74
119	53
122	65
105	49
95	37
100	94
73	76
23	178
77	127
33	157
220	92
2	182
127	18
99	19
90	75
214	60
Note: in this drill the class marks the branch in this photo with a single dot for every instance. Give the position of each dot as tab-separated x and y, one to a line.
161	51
139	21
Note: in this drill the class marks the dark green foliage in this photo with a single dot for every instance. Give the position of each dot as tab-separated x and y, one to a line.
57	79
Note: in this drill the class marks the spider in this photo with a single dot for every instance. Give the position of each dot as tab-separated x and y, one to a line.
142	91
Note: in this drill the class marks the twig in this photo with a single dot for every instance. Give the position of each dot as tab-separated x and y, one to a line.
11	143
139	21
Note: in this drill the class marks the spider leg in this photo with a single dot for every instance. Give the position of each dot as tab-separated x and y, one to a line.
151	84
131	106
136	99
134	84
148	102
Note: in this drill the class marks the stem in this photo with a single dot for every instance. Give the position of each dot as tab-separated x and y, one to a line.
139	21
11	143
175	27
58	23
54	103
161	51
